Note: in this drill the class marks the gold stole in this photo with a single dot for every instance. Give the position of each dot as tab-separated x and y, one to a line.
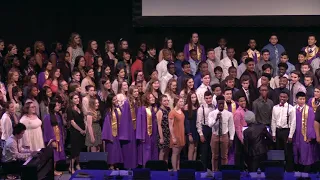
313	104
304	122
311	55
233	106
114	122
56	132
199	52
133	116
149	121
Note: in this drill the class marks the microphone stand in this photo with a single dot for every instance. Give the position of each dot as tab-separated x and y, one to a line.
219	141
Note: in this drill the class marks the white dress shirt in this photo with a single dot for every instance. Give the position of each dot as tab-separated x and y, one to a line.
164	81
217	52
227	123
241	68
225	64
200	93
279	119
6	126
162	69
203	110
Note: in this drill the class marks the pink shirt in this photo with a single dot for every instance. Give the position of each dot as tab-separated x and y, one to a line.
239	122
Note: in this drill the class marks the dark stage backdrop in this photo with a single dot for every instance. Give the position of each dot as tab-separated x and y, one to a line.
24	23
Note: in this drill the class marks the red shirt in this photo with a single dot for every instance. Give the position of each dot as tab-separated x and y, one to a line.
137	65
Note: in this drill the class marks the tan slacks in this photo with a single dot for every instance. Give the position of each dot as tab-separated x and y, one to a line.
224	145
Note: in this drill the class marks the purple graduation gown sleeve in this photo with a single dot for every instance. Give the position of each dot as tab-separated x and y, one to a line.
186	52
311	134
107	130
47	129
125	122
203	54
141	124
41	80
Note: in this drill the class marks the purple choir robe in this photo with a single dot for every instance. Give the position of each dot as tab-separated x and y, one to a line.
232	148
48	134
41	79
127	137
305	153
187	53
147	147
316	55
310	104
113	146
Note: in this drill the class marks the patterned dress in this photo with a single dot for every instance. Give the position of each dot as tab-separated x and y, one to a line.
165	129
75	53
96	117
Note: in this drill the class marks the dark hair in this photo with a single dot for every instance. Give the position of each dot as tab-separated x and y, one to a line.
207	93
244	78
189	103
227	89
204	74
214	86
52	72
303	53
300	94
192	50
90	50
231	67
109	103
95	62
184	63
305	64
15	90
218	68
230	48
241	95
44	98
244	54
228	78
162	96
266	66
52	113
220	97
18	128
170	64
210	49
284	65
45	64
285	54
265	51
267	75
88	87
297	72
248	60
151	47
285	91
30	96
77	61
200	65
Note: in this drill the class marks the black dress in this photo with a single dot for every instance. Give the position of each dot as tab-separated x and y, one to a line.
190	125
77	139
165	129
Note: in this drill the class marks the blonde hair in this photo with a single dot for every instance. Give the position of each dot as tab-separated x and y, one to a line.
10	75
71	41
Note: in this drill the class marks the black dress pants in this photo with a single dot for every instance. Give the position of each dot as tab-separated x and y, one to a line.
282	144
205	148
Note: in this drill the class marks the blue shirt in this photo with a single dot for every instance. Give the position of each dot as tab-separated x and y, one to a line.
197	80
177	64
290	68
193	66
275	53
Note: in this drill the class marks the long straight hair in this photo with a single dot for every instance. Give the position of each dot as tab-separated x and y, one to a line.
190	105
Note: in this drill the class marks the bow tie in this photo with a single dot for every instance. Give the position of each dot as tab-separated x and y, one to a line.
281	105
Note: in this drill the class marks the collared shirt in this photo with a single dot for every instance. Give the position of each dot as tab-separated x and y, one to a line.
241	68
164	81
275	53
225	64
217	52
239	122
6	126
203	110
315	64
13	150
194	66
200	93
258	67
211	65
247	93
276	81
263	110
279	118
162	68
227	125
297	87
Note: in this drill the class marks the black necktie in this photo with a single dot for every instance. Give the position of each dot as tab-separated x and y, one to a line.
232	63
221	54
291	95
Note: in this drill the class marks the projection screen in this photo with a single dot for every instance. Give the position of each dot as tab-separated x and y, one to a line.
226	13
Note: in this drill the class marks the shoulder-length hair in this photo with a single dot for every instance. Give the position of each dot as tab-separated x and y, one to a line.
131	98
146	99
90	50
52	113
72	43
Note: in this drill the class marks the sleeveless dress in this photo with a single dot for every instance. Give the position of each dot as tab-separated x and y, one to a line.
165	129
96	130
75	53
